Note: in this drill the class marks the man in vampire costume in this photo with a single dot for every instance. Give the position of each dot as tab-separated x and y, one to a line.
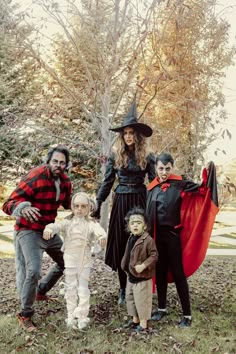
181	214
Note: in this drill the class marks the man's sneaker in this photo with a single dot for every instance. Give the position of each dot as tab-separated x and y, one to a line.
41	297
158	315
26	323
185	322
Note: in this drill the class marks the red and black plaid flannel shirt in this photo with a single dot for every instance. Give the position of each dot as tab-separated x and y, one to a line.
38	188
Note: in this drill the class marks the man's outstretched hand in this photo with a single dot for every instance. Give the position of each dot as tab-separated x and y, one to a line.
31	214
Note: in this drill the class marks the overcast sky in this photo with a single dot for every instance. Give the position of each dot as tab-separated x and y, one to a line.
230	92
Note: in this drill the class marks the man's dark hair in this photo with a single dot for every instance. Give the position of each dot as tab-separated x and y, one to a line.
165	157
60	149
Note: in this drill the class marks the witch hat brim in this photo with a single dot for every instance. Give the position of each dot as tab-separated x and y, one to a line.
131	121
142	128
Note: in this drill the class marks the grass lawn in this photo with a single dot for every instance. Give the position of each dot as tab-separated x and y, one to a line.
213	297
232	235
6	246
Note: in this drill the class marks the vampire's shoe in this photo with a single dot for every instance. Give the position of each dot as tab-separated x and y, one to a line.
158	315
185	322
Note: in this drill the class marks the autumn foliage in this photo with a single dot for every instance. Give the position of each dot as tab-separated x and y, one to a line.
171	54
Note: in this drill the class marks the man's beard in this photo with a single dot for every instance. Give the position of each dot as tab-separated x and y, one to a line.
56	172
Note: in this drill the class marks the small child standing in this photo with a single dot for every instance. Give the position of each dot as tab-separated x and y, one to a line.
80	232
139	263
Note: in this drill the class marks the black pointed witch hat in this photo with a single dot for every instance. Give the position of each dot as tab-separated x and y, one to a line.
130	120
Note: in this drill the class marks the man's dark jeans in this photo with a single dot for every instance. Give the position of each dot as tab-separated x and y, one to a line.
32	245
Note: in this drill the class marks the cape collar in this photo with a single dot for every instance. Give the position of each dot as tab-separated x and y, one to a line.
156	181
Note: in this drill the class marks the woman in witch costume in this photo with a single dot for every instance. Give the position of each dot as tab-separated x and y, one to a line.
130	163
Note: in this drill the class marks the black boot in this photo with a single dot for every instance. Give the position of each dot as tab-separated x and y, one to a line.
185	322
121	300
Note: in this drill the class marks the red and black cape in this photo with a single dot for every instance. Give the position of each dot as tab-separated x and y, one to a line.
198	212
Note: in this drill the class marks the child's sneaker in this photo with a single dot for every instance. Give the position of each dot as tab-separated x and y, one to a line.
130	324
26	323
71	322
140	329
82	324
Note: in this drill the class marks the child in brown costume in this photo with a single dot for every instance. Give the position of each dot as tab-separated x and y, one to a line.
139	263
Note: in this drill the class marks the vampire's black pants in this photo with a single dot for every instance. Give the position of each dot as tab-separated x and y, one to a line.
170	259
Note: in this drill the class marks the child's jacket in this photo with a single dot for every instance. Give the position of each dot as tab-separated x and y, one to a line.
144	251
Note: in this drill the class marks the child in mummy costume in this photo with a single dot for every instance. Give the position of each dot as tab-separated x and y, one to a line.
80	234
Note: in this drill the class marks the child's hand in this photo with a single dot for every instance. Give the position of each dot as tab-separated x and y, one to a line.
47	234
140	267
103	242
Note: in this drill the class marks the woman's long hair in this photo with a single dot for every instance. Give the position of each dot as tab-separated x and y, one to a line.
121	151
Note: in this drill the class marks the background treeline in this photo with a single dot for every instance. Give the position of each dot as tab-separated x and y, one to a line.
71	84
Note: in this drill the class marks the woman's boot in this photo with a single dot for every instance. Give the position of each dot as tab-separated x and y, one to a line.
121	300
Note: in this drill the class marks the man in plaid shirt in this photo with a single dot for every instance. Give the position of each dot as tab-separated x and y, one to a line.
35	202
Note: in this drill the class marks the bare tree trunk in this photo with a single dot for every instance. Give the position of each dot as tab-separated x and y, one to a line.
106	148
105	213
